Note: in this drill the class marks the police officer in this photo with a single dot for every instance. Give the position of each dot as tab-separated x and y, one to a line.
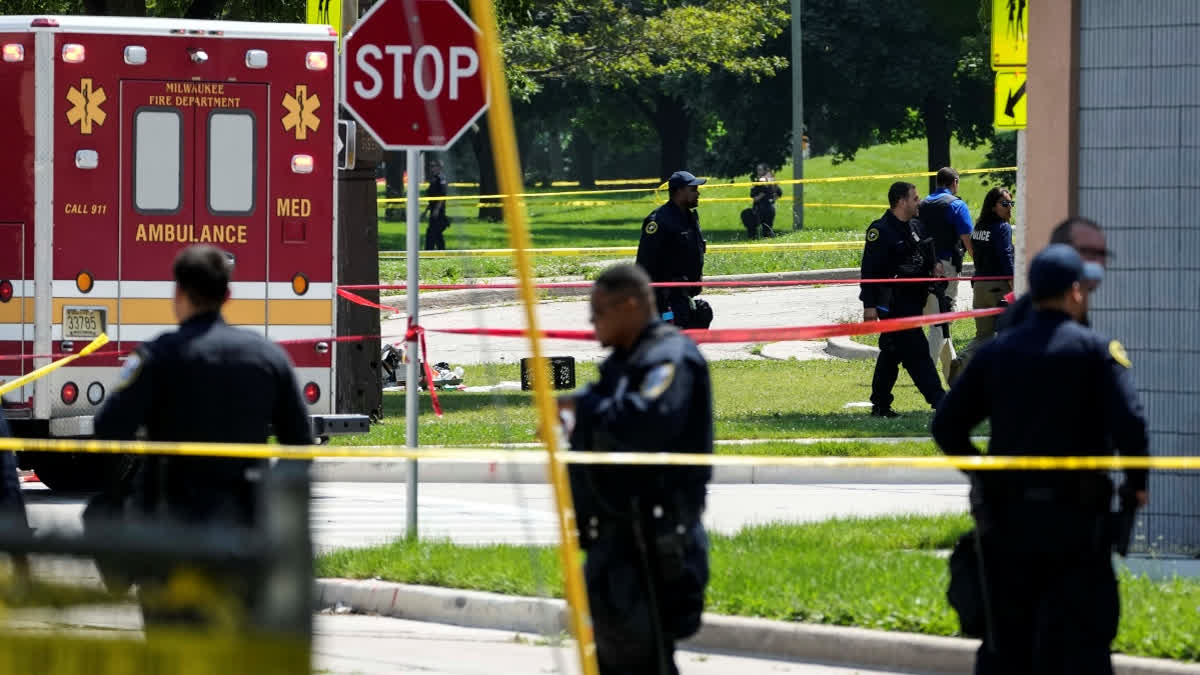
12	502
672	249
436	210
205	382
1083	235
1050	386
647	562
765	192
896	249
993	249
948	220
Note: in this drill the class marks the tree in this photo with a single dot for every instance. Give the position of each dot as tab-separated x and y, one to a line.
886	72
653	54
752	119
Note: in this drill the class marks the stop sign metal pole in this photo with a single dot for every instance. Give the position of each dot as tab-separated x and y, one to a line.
430	45
412	392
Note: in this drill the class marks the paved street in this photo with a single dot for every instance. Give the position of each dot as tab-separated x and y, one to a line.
759	308
354	514
359	514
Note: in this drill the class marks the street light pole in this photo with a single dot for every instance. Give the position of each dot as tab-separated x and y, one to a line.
797	120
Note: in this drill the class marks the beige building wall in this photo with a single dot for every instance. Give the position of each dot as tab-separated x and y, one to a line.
1051	144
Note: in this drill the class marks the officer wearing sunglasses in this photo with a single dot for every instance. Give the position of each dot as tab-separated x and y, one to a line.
1083	235
992	242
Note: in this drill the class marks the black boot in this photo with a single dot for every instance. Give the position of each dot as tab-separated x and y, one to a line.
883	411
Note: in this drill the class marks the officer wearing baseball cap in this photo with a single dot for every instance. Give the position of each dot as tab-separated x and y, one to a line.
1050	386
672	249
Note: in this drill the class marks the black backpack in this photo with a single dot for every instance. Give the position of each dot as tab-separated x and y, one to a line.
932	215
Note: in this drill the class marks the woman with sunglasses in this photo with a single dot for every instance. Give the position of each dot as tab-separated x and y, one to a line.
993	253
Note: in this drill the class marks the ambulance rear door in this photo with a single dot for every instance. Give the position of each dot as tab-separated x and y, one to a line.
194	171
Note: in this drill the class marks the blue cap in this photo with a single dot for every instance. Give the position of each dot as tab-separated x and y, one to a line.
1057	268
682	178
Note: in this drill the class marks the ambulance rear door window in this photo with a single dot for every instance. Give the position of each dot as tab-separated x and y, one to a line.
157	160
231	162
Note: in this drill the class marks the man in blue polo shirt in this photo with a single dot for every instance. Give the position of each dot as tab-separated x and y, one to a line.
946	219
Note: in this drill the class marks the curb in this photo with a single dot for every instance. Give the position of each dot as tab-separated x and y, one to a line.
845	348
761	637
371	470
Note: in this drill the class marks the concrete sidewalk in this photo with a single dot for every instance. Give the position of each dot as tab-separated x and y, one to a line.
761	637
375	470
432	300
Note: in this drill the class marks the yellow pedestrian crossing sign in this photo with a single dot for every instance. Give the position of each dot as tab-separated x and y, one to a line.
1010	33
327	12
1010	109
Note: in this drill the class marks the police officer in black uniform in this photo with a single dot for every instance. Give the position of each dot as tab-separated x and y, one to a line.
205	382
1082	234
647	562
896	248
12	502
672	249
436	210
765	192
1050	386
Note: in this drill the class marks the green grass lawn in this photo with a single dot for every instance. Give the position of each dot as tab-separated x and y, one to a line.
752	399
879	573
555	222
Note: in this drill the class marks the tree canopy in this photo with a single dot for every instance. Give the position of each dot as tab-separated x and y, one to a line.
884	72
706	84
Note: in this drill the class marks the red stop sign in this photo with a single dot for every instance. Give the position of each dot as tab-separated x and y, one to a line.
412	74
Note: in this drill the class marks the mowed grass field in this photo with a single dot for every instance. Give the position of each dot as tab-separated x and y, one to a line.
585	220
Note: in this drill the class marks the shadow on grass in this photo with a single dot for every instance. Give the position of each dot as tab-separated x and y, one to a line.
853	423
459	401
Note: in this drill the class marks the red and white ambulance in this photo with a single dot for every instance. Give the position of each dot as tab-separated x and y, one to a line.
125	140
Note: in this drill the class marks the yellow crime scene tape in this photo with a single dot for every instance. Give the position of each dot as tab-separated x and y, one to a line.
707	186
519	195
174	653
488	456
707	200
53	366
503	132
629	250
191	654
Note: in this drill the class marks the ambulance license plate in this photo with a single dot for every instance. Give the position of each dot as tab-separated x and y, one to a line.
83	322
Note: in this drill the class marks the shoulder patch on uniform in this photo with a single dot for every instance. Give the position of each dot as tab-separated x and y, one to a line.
129	371
1117	351
651	227
657	381
872	234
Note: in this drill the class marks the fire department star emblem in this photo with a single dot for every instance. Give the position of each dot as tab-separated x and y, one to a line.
301	112
85	106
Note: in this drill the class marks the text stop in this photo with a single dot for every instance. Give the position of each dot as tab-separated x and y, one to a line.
428	71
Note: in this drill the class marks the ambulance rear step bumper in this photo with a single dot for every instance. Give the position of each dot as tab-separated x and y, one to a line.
324	426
